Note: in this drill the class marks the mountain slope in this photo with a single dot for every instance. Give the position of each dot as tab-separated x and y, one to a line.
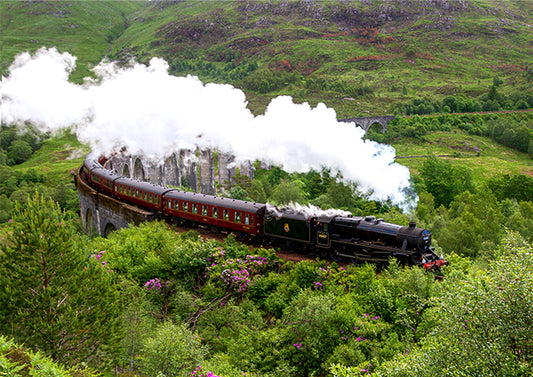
358	57
377	52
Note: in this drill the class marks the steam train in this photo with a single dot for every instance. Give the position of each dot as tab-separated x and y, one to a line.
342	238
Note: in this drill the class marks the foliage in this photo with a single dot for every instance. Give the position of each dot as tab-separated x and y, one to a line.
484	323
518	187
292	319
490	101
18	182
172	351
444	180
514	130
15	360
153	251
54	296
288	192
18	143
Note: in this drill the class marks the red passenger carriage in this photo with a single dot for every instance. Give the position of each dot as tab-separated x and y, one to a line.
224	213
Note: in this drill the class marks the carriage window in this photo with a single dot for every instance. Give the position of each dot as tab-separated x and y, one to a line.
145	196
150	198
247	219
194	208
204	210
225	213
237	217
186	206
176	204
215	213
156	199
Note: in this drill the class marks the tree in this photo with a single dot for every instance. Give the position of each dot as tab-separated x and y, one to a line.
53	296
239	193
5	208
288	192
257	191
483	324
444	180
19	151
519	187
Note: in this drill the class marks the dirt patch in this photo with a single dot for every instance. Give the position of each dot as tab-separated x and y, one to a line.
466	147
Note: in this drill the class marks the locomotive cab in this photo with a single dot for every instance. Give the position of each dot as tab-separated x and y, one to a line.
322	226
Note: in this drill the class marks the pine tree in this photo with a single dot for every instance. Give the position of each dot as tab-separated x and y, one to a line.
54	297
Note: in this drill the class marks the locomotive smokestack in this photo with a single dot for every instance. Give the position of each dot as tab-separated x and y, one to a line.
412	224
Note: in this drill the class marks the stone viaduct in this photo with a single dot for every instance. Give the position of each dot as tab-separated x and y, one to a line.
366	122
193	170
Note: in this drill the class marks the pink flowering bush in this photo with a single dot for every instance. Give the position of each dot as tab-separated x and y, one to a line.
237	274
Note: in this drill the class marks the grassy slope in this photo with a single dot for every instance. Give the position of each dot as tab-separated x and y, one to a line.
58	158
485	157
82	28
429	50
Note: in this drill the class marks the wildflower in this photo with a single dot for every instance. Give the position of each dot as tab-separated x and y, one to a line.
153	284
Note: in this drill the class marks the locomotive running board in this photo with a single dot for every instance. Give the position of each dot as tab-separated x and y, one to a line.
394	250
361	257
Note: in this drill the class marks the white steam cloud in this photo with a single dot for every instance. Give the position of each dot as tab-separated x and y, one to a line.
152	112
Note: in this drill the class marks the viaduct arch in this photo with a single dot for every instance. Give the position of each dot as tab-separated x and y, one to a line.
366	122
102	214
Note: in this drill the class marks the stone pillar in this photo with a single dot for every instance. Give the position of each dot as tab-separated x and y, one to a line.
207	172
170	175
226	169
247	168
189	169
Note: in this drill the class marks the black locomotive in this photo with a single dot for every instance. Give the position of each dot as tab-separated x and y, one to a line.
346	238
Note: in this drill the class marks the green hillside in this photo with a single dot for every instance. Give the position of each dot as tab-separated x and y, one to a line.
358	57
85	29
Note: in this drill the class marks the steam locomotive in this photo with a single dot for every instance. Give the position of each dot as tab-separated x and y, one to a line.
343	238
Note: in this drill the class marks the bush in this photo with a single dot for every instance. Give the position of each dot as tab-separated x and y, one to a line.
173	351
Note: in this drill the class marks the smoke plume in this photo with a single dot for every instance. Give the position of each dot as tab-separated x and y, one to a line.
149	111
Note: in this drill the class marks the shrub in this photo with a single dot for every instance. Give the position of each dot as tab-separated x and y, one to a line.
173	351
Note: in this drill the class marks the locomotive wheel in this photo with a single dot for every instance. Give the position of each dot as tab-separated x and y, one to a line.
334	255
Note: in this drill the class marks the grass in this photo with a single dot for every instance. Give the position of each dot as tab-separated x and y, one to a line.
58	157
82	28
462	149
